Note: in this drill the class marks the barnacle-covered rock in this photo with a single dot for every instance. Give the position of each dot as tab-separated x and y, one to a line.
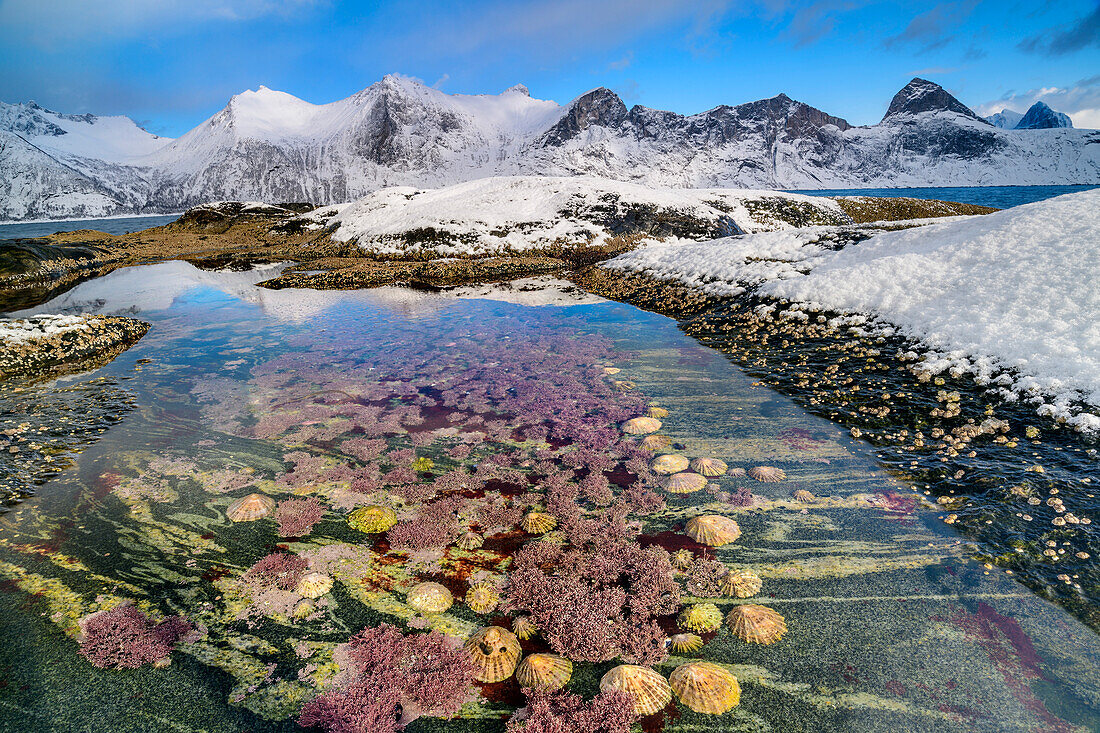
429	598
712	529
684	482
641	425
494	652
314	585
705	687
538	522
685	643
470	541
767	474
549	671
482	597
756	624
372	519
709	466
650	690
701	618
656	442
668	464
250	508
741	584
523	627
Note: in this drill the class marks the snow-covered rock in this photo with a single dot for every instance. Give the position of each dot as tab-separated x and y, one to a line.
514	214
271	146
1010	291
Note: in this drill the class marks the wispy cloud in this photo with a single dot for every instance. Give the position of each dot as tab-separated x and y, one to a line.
48	22
934	71
935	28
622	63
1068	38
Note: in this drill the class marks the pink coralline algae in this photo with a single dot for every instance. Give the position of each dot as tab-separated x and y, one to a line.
278	570
125	638
593	602
563	712
436	525
297	517
395	679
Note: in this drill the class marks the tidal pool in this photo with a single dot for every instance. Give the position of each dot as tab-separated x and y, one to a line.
463	411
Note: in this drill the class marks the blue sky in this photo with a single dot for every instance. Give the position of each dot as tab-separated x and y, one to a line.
172	63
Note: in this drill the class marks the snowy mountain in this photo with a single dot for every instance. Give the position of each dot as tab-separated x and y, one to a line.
1038	117
1006	119
271	146
1042	117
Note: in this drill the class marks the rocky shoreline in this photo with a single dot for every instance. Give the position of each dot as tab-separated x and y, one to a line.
48	346
236	235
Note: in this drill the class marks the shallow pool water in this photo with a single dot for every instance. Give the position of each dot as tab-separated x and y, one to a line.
461	413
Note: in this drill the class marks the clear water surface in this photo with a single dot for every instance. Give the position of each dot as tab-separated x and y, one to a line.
333	394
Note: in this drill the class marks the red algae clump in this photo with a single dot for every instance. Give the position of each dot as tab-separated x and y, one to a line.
297	517
125	638
395	679
555	711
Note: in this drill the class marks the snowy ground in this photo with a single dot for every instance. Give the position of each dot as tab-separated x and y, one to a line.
1012	297
518	213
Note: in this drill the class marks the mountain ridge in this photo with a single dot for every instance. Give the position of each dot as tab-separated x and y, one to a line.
269	145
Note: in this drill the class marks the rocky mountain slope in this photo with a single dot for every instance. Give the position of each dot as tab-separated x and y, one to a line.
270	146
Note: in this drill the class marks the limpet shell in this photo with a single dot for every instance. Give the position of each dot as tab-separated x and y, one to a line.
429	598
685	643
701	618
767	474
372	518
741	584
684	482
756	624
523	627
656	442
709	466
650	690
250	508
549	671
657	412
669	464
314	585
611	370
682	559
470	541
482	597
705	687
712	529
538	522
494	652
803	496
641	425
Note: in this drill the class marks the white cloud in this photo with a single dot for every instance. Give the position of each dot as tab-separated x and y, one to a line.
1081	102
47	22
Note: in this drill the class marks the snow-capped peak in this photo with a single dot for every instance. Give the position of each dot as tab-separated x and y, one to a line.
116	139
920	96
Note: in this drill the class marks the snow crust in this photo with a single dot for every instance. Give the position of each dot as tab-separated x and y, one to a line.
1011	297
21	330
524	212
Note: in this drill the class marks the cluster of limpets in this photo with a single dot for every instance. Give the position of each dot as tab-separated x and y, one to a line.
681	475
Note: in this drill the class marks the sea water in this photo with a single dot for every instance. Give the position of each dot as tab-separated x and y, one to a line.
337	395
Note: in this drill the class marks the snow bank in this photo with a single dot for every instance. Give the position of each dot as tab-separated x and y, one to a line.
518	213
1017	290
23	330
